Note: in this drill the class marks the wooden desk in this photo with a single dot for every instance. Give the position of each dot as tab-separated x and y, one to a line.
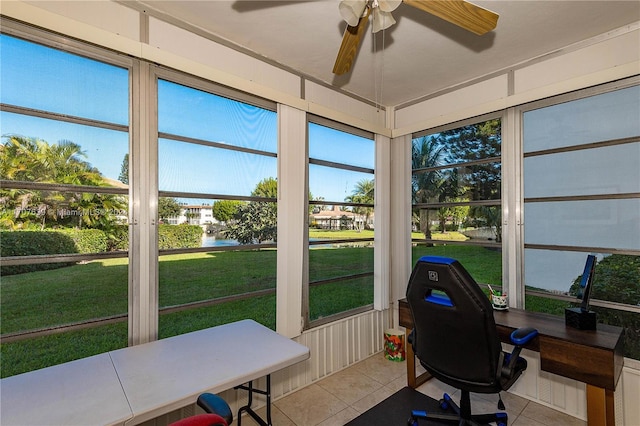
590	356
138	383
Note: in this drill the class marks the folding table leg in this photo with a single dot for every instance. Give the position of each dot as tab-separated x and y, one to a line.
249	387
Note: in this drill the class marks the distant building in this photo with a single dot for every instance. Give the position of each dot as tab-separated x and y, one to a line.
193	215
339	219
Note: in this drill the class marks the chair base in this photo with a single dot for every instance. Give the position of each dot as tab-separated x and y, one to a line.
461	416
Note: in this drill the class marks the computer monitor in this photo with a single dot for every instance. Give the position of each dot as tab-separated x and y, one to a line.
586	283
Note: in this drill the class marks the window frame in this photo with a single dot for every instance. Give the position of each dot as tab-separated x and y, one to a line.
505	244
68	45
193	82
341	127
548	102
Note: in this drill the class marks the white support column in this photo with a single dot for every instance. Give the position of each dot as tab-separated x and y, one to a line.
293	218
512	248
382	235
400	220
143	209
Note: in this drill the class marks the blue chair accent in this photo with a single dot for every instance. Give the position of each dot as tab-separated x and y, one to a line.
218	413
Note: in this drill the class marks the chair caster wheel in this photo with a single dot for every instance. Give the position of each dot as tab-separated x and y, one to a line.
412	421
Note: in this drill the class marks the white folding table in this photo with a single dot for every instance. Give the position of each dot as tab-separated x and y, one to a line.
164	375
138	383
82	392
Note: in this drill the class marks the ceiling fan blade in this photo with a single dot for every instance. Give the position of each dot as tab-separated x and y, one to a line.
349	46
461	13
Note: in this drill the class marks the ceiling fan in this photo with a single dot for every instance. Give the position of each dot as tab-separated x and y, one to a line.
356	13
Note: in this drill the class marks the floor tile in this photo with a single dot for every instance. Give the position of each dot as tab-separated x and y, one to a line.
549	417
310	405
436	389
349	385
514	404
381	369
342	418
524	421
277	417
372	399
396	384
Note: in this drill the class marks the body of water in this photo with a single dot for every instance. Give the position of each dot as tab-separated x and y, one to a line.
211	241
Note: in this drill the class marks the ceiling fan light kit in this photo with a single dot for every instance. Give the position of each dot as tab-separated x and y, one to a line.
356	14
381	20
352	11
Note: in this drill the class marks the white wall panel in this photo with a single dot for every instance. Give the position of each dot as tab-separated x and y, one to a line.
77	26
528	384
595	58
628	413
338	106
476	99
600	60
198	49
559	393
105	15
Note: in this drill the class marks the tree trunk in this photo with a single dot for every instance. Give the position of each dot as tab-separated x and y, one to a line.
425	226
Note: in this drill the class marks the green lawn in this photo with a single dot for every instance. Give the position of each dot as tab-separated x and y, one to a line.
339	234
61	296
99	289
368	233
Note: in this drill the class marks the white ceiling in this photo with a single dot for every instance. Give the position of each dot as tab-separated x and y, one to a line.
422	54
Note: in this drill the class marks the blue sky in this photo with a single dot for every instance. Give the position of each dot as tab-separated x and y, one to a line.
76	86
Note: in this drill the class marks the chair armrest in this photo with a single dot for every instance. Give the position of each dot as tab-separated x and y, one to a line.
519	337
523	335
214	404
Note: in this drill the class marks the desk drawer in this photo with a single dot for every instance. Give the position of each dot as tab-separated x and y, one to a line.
587	364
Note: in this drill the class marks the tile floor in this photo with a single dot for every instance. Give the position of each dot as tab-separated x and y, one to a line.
343	396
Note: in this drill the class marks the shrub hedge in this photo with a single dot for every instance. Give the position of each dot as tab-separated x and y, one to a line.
71	240
180	236
29	243
87	240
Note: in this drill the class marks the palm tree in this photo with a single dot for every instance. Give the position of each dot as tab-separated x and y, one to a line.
24	159
363	193
35	160
493	217
426	153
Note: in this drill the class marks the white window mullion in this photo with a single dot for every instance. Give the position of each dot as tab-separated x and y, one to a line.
512	247
143	259
382	295
400	219
293	226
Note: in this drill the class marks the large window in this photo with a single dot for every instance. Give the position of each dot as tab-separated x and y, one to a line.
456	196
217	173
64	202
581	197
341	220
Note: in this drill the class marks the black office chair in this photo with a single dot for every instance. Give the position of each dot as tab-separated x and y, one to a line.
456	340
